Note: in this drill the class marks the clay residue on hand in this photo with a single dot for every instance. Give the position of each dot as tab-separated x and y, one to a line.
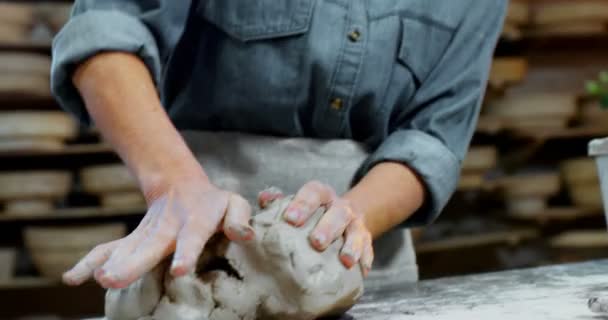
276	276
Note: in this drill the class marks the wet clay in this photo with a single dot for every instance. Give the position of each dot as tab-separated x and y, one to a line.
598	305
276	276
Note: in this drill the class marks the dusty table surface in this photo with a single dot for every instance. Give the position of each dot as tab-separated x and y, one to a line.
555	292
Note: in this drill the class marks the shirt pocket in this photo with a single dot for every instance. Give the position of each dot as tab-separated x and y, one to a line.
252	70
249	20
423	44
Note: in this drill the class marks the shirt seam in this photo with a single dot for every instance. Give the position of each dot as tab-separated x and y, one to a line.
411	15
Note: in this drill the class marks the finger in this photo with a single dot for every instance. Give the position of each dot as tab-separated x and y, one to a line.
311	197
190	243
194	234
129	243
367	258
267	196
236	221
355	241
84	269
331	226
158	244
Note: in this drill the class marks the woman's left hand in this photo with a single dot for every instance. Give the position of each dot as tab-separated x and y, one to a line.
340	219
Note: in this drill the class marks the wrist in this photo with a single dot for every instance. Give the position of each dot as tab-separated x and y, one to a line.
388	195
158	180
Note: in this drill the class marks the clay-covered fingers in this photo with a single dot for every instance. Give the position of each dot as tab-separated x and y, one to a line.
85	268
236	222
190	243
102	254
354	243
367	258
309	198
332	225
342	220
357	248
203	221
158	243
268	195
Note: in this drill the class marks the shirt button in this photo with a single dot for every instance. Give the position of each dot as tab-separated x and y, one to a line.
354	35
336	104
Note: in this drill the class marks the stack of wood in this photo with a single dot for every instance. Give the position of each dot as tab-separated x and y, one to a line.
113	184
23	24
583	184
505	73
24	76
35	130
568	17
527	194
478	162
8	259
547	18
579	245
33	192
518	16
533	110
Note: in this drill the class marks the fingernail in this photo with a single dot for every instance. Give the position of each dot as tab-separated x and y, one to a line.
349	256
68	278
292	215
109	276
366	270
176	264
319	240
245	232
347	261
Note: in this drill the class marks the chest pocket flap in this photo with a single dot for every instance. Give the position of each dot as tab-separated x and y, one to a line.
249	20
423	44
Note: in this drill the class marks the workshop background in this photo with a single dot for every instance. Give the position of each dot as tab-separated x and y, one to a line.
529	195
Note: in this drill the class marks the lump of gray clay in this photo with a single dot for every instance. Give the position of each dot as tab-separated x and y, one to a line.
276	276
598	304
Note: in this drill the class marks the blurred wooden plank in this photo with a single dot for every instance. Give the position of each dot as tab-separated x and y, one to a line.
508	70
27	283
74	213
68	150
579	29
568	11
558	214
556	133
512	237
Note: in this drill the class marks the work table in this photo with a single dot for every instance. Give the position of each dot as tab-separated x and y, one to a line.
554	292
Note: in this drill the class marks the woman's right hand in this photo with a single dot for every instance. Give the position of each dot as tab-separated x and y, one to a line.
181	218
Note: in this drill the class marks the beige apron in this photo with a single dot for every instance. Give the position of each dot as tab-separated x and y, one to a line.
246	164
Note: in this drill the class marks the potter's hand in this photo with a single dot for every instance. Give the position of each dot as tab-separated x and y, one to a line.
181	220
341	219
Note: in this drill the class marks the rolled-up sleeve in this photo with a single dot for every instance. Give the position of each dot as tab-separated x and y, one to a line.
434	138
146	28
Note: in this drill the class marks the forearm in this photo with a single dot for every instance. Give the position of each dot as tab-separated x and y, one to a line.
388	195
121	98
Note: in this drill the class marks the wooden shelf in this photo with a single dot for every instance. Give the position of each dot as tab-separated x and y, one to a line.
511	237
74	213
493	126
69	150
28	283
27	47
566	133
558	214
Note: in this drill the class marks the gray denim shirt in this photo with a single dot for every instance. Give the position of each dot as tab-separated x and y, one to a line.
404	77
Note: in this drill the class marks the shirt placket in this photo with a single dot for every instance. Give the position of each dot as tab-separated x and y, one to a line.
332	122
